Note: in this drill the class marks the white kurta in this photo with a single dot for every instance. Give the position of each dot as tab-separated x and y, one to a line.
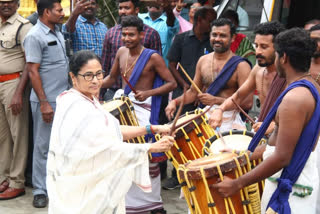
89	168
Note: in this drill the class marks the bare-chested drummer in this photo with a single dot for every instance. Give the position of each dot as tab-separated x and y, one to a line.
146	71
220	74
263	76
291	181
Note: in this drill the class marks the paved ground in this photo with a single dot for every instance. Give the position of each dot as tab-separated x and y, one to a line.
23	204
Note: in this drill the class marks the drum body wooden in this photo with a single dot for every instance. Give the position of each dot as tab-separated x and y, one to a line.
123	110
190	138
198	176
235	139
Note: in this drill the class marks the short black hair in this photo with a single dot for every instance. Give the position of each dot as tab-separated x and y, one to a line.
45	4
314	28
81	58
313	21
202	12
222	22
269	28
132	21
232	15
136	3
298	46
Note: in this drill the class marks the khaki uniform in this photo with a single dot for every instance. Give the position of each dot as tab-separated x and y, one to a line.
13	128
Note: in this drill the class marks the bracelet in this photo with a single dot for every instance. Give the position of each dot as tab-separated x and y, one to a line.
148	128
178	9
218	109
152	130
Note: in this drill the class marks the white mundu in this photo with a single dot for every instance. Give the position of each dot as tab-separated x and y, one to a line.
308	179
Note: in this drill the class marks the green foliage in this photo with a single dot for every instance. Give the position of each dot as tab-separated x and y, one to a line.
104	14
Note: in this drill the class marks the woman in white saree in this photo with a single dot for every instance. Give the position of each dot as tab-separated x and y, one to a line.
90	168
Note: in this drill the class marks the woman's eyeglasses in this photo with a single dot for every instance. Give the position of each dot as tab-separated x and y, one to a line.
88	76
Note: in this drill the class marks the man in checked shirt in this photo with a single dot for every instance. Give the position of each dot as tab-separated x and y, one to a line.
113	42
84	29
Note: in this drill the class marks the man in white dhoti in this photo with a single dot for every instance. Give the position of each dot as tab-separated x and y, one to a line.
149	78
90	169
292	180
219	74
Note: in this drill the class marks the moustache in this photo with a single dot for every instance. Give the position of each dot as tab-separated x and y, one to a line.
219	43
259	56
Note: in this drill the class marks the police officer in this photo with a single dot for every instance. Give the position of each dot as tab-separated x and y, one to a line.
13	101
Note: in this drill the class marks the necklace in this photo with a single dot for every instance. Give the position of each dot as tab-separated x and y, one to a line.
133	64
302	76
262	93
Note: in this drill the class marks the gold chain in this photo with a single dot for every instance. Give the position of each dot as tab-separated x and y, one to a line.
302	76
133	64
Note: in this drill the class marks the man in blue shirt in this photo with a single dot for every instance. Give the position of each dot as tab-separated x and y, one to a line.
84	29
47	65
161	18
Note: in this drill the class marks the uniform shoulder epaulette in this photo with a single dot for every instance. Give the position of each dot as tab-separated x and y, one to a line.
23	20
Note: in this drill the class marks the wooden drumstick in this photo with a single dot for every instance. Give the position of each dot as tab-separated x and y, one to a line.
243	112
192	83
128	83
173	127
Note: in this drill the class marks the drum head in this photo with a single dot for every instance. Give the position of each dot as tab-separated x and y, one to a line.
209	163
113	105
189	126
236	140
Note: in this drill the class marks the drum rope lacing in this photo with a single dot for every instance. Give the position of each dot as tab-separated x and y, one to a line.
249	195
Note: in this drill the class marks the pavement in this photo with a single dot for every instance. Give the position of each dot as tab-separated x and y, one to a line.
23	204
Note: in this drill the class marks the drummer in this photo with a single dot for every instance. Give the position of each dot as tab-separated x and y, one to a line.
234	69
263	76
289	161
146	71
90	168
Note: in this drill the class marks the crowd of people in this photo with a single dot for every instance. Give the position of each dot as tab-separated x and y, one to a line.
54	76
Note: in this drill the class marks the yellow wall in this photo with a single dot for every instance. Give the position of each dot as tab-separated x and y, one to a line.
27	7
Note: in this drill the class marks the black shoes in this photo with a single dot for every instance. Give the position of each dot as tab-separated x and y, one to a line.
40	201
158	211
170	184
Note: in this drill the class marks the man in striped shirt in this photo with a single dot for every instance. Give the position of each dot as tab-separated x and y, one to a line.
113	41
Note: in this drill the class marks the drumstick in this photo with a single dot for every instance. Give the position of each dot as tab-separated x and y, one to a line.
173	127
243	112
128	83
192	83
220	136
194	118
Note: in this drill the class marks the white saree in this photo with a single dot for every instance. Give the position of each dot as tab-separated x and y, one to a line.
89	168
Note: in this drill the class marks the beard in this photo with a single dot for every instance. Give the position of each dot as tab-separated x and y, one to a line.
280	70
222	49
267	61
